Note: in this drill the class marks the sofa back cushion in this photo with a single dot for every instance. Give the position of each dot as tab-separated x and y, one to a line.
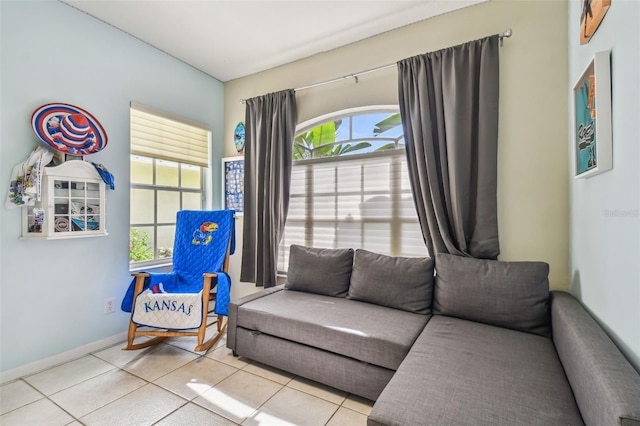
321	271
397	282
507	294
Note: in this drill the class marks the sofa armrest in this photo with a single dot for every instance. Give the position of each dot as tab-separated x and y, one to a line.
233	312
605	385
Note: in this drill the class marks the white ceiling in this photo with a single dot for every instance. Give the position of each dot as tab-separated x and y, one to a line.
228	39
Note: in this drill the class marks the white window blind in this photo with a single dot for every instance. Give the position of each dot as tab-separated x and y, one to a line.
358	201
159	135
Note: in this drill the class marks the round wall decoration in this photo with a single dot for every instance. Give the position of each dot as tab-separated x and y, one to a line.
68	129
238	138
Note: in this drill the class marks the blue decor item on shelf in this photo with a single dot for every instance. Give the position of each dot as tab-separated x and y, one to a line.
106	176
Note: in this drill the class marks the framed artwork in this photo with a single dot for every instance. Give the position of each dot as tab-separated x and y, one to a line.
593	12
592	118
233	184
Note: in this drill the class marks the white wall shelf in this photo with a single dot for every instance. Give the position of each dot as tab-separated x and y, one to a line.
72	205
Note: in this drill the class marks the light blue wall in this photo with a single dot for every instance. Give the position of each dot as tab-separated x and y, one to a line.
605	216
52	292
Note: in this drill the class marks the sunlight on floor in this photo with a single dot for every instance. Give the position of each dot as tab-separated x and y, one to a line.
198	387
265	419
228	405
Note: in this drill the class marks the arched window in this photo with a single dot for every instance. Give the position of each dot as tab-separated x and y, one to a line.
350	186
359	133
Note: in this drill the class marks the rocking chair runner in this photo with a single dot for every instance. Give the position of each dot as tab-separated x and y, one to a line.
177	303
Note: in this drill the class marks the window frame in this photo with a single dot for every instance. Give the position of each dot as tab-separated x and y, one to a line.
395	192
156	188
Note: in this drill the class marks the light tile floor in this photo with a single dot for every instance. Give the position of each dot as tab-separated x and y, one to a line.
170	384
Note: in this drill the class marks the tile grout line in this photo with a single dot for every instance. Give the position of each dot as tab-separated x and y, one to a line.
300	390
120	397
168	414
81	381
333	415
148	382
262	405
48	397
211	411
28	403
44	397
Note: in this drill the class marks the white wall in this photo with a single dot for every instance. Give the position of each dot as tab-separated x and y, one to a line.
532	177
52	292
605	215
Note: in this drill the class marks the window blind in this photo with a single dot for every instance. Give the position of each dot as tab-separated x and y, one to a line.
162	136
358	201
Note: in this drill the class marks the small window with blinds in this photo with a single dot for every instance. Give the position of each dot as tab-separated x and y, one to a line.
169	164
350	188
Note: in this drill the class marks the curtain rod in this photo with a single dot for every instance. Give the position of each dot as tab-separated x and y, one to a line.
506	34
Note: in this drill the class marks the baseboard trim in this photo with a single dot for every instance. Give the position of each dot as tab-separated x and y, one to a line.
61	358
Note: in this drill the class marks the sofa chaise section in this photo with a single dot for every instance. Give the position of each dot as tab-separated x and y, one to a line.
461	372
503	350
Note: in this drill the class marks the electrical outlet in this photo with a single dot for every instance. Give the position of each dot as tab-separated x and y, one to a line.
109	305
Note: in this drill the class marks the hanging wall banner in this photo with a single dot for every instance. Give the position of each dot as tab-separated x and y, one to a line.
233	181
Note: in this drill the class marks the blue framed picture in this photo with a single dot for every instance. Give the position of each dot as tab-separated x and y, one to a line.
592	118
233	184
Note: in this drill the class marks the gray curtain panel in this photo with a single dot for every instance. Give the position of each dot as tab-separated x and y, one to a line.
270	125
449	109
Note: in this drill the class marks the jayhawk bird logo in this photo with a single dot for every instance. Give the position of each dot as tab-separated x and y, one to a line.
204	234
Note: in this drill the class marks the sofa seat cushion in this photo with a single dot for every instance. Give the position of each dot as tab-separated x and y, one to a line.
363	331
465	373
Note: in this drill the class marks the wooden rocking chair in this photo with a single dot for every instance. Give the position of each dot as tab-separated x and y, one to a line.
203	243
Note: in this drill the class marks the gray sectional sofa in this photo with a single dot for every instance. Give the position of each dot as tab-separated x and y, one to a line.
480	343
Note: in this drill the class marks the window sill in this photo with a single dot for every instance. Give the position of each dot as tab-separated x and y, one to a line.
147	268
